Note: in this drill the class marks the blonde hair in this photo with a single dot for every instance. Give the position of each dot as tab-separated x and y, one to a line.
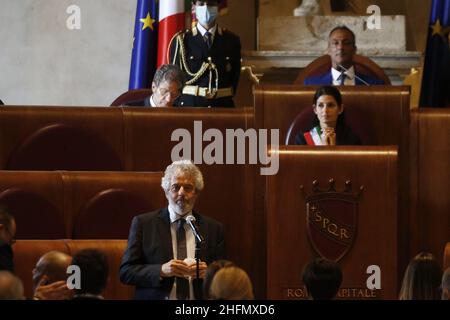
231	283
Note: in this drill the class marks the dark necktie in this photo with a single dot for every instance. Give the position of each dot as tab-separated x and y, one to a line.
208	39
182	283
341	79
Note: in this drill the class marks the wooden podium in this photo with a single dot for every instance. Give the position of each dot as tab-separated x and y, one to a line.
339	203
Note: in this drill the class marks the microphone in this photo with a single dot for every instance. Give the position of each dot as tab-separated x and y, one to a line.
191	221
341	67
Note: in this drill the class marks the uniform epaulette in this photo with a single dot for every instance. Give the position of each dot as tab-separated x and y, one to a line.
194	30
175	36
180	32
225	30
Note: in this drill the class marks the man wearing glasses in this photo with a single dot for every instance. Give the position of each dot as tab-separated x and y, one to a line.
7	239
159	259
167	85
342	49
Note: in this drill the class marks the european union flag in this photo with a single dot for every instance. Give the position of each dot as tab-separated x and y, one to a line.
436	74
145	45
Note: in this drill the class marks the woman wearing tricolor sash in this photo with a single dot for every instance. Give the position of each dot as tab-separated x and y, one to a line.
328	128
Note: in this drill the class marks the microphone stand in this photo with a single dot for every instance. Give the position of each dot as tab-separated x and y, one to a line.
356	76
198	287
197	258
198	241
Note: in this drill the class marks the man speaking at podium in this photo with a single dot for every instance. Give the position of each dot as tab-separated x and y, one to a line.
159	259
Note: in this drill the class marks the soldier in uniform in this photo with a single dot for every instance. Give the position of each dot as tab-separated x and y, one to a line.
210	56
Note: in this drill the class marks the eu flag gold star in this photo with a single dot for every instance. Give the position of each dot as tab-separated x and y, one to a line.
148	22
437	28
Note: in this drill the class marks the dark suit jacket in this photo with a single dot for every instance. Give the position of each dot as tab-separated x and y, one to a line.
225	53
327	80
145	103
87	297
6	258
140	103
150	246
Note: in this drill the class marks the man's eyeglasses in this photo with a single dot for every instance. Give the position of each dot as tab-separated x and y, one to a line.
165	93
188	188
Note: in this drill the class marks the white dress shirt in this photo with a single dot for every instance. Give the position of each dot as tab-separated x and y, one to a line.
203	31
152	102
349	77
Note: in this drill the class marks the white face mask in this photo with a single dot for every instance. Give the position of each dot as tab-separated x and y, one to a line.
206	15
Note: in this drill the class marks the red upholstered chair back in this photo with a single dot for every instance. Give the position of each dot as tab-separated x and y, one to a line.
109	213
64	147
131	95
354	119
36	217
322	64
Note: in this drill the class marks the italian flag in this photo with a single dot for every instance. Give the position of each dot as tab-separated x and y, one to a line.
171	20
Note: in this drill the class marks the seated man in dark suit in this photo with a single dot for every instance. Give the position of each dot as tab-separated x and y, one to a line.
161	246
167	85
50	277
322	279
94	271
341	49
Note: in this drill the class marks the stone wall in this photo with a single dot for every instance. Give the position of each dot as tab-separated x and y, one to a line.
416	12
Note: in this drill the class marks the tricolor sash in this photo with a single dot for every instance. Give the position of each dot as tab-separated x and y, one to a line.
313	138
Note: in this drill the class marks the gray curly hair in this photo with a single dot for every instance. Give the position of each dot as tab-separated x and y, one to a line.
182	167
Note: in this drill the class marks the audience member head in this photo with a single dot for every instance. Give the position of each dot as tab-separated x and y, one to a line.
210	273
182	183
341	47
167	85
94	270
231	283
51	267
445	286
422	279
322	279
328	106
11	287
7	227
